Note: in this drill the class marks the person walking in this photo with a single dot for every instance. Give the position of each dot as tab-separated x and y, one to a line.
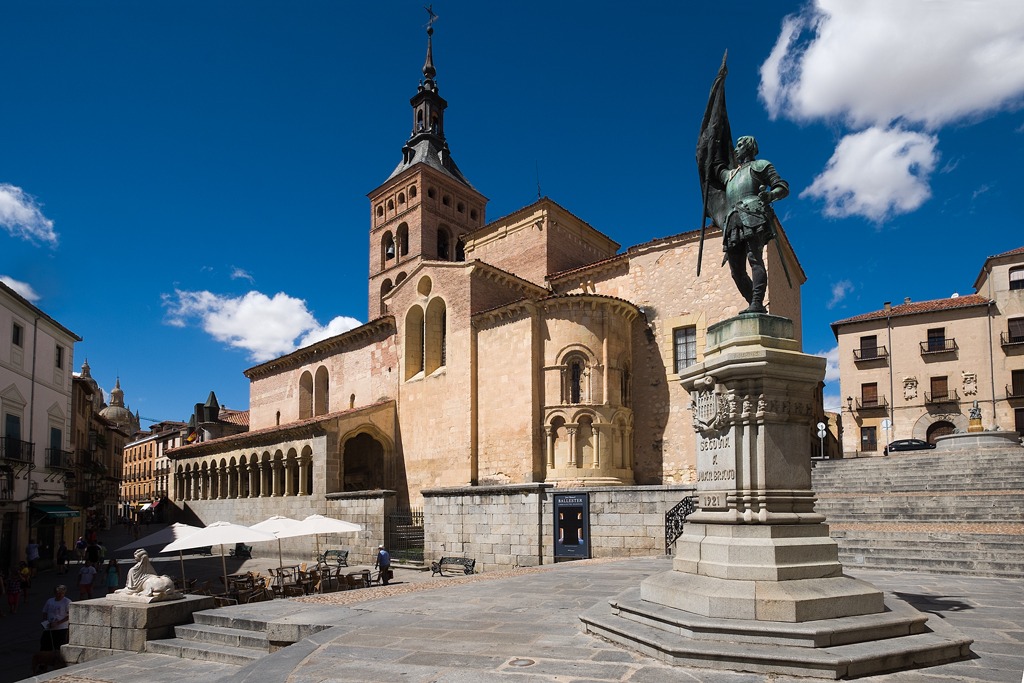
62	557
113	576
32	553
383	561
80	546
13	589
86	576
56	613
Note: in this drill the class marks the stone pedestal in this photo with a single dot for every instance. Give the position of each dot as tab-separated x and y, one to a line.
106	626
755	567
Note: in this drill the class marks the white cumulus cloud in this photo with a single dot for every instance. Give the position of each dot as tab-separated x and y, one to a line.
831	357
22	288
876	173
839	291
265	327
902	69
22	217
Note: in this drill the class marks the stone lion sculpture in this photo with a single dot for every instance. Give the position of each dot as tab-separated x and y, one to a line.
143	581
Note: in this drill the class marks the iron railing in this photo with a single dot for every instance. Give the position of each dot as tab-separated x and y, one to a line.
404	535
1015	391
871	403
871	353
1008	339
944	397
938	346
675	519
15	449
57	459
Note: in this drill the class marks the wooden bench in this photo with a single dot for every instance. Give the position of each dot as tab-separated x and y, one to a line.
465	564
338	558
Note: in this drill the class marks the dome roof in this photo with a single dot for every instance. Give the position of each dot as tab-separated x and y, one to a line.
117	413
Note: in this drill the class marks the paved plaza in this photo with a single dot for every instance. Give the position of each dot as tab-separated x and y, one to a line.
518	625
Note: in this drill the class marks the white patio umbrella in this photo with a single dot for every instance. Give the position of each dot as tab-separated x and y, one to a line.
281	527
220	533
319	524
160	538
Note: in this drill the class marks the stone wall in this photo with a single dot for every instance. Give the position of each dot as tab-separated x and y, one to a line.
502	527
366	508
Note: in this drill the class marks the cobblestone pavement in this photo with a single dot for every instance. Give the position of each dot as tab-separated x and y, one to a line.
523	626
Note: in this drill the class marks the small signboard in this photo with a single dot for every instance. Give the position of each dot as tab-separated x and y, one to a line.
572	526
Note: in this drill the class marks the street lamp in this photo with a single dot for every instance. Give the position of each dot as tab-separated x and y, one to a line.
849	403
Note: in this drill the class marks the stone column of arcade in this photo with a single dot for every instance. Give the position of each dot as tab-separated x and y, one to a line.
756	583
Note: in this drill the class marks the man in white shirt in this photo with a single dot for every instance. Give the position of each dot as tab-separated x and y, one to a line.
56	617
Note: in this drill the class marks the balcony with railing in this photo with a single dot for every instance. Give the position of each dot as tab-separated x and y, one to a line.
870	353
933	346
57	459
947	396
15	450
872	403
1011	339
1015	391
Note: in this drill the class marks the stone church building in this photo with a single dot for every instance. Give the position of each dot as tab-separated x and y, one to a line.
504	362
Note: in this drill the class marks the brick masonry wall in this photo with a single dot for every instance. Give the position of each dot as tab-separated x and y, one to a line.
505	527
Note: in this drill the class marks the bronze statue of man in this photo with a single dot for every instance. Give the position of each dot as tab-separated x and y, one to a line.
750	188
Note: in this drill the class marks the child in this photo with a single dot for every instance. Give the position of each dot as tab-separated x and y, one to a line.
26	578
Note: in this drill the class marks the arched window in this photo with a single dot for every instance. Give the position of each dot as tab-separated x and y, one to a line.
380	210
321	392
401	198
305	395
387	247
402	235
574	379
412	191
443	245
400	278
436	335
391	205
385	289
413	342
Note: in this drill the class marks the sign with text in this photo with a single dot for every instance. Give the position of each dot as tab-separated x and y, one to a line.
572	525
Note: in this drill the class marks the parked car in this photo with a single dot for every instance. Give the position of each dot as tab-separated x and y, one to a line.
907	445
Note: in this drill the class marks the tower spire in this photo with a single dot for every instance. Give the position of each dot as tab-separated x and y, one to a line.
428	66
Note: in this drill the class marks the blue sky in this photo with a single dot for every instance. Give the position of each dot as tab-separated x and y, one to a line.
183	184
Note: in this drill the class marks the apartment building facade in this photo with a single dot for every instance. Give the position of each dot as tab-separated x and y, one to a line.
915	370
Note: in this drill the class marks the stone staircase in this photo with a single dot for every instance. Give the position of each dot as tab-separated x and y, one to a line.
950	513
216	637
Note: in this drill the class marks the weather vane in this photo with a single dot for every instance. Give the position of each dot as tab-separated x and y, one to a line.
432	19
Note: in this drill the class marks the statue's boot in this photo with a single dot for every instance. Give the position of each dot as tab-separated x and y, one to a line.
756	306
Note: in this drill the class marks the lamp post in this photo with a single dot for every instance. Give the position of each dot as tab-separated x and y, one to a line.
849	409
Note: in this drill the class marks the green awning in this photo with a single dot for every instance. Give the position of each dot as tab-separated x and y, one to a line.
56	510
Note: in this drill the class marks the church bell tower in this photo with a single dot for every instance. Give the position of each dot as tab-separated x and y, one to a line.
425	208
